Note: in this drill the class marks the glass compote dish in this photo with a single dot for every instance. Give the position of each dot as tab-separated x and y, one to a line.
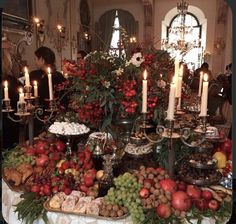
70	131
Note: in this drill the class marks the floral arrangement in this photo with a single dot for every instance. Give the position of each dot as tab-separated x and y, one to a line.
106	86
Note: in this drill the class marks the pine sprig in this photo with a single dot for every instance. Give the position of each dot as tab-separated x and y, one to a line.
31	208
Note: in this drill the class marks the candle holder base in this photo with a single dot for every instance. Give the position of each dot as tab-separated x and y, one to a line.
28	93
52	106
21	107
7	105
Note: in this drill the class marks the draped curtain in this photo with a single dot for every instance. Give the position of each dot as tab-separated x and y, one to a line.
104	30
104	27
128	22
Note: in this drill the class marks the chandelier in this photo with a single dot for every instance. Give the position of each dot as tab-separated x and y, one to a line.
179	31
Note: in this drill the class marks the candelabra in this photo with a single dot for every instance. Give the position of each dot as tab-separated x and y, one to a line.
27	110
169	132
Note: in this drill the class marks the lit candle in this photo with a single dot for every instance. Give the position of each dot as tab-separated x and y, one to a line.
176	74
204	98
35	89
6	95
144	102
180	79
50	84
21	95
200	84
27	78
171	105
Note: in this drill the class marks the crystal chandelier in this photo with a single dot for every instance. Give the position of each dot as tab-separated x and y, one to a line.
179	30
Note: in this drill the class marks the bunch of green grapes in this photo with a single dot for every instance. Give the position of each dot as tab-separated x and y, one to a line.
16	157
126	193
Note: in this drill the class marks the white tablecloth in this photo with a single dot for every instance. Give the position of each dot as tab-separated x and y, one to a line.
10	198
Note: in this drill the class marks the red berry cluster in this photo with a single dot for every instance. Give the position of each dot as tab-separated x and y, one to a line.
148	59
129	90
90	113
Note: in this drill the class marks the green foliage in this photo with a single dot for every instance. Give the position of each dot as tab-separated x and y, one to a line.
31	209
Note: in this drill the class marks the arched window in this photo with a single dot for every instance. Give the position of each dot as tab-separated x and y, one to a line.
115	46
108	29
187	38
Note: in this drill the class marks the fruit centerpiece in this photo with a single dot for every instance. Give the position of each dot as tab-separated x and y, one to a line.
71	186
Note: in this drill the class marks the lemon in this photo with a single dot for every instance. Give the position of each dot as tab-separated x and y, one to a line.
221	159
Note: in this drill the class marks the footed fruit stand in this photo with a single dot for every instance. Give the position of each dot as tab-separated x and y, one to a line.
116	156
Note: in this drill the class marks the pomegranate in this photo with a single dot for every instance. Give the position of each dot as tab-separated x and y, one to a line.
181	201
207	195
193	191
163	211
144	193
213	205
168	185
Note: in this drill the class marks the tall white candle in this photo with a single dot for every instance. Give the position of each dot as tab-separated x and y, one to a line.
144	102
6	95
171	105
180	79
176	74
21	95
204	98
27	78
200	84
35	89
50	84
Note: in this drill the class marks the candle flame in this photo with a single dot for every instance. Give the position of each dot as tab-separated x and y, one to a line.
6	84
36	19
35	83
205	78
59	27
49	70
145	74
20	90
26	69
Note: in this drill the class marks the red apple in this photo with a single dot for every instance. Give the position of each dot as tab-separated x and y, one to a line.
30	151
207	195
60	146
88	181
144	193
193	191
181	201
163	211
201	204
168	185
213	205
35	188
41	160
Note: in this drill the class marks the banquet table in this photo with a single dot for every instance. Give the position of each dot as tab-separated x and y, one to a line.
10	198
